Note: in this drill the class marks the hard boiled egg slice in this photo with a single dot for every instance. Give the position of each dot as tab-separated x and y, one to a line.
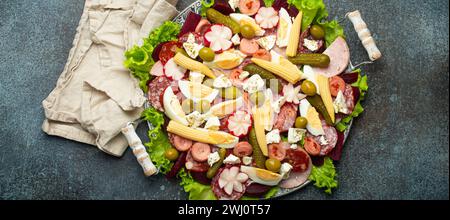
314	125
309	74
284	28
243	19
262	176
172	107
197	91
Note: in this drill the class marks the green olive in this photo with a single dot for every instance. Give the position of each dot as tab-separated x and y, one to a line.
230	93
257	98
300	122
206	54
208	82
187	105
317	32
203	106
171	154
247	31
308	88
273	165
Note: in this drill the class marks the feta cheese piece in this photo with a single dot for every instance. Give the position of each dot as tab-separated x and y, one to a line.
213	158
192	49
339	104
244	75
253	84
222	82
196	77
273	136
195	119
294	146
236	40
247	160
231	159
190	38
312	45
323	140
275	57
233	4
278	103
295	135
285	169
212	123
267	42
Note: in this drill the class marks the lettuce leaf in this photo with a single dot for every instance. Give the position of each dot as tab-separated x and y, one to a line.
196	190
158	141
361	83
324	176
139	59
268	3
332	31
206	4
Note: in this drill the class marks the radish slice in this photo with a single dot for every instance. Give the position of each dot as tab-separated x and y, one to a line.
239	123
173	71
232	179
218	37
267	17
157	69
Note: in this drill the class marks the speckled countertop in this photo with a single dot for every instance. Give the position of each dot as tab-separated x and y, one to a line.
398	149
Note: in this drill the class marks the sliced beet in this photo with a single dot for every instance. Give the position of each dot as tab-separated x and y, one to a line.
356	94
190	26
155	53
200	177
223	7
257	190
177	165
317	160
350	78
336	153
278	4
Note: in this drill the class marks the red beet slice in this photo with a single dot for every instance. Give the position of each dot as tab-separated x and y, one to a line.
190	26
155	53
200	177
256	190
292	10
356	94
317	160
177	165
336	153
349	78
223	7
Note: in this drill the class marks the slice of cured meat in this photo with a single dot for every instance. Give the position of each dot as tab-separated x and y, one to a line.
296	178
339	54
349	97
328	141
220	193
298	159
195	166
286	117
156	89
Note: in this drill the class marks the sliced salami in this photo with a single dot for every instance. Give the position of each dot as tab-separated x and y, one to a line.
195	166
220	193
156	89
298	158
296	178
328	141
349	97
286	117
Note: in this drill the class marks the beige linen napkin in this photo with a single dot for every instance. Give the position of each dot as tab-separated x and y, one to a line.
95	95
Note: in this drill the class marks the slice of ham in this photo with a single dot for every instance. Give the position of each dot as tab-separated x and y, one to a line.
339	54
296	178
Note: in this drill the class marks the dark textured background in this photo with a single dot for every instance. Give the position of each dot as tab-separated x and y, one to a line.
398	148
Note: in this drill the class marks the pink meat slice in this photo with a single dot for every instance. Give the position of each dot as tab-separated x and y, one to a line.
339	54
296	178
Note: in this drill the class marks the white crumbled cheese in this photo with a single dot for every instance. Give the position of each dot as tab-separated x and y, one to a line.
222	82
236	40
276	106
312	45
295	135
285	169
273	136
247	160
213	158
191	38
322	140
233	4
196	77
253	84
231	159
244	75
195	119
267	42
212	123
339	104
275	57
192	49
294	146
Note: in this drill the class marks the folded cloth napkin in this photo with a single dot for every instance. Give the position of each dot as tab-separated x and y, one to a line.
95	95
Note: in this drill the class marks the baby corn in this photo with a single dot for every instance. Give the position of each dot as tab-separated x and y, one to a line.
294	38
193	65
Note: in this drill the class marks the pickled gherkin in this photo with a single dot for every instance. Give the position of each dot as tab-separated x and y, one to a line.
258	155
312	59
219	18
316	102
215	167
267	75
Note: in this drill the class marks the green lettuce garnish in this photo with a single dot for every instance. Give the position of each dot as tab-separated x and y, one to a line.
206	4
196	190
324	176
139	58
268	3
158	141
361	83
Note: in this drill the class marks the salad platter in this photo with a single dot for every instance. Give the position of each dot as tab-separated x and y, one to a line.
249	99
